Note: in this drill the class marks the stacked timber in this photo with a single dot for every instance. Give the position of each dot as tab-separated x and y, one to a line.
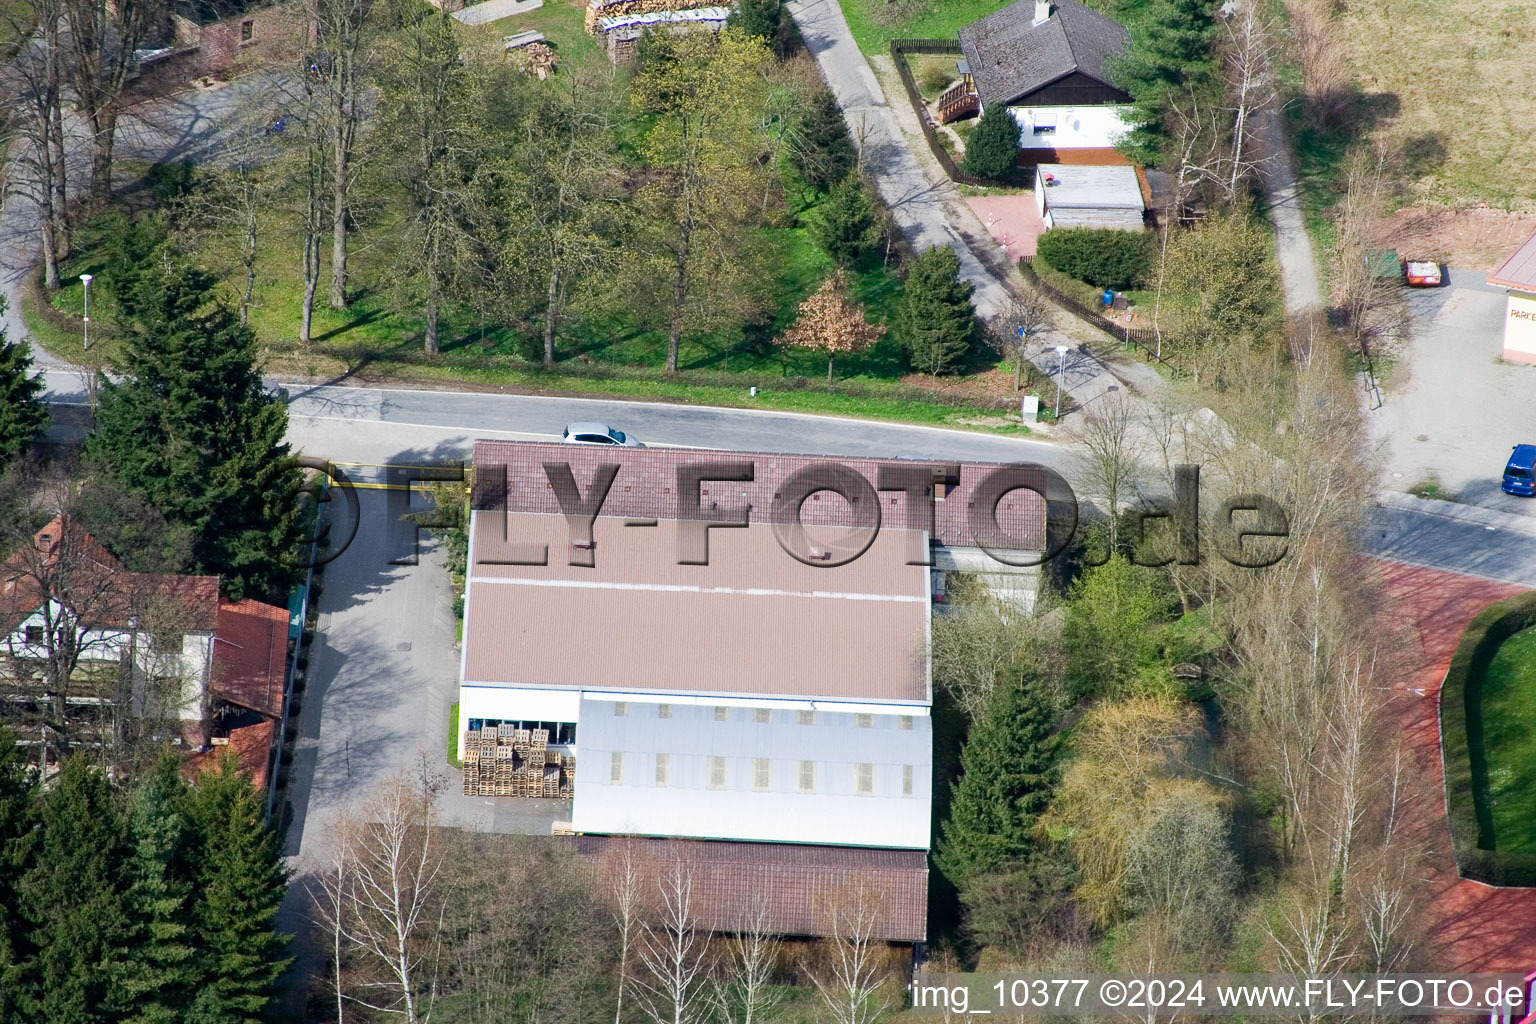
507	761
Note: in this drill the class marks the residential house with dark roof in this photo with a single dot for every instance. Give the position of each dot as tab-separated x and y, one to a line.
753	695
1048	62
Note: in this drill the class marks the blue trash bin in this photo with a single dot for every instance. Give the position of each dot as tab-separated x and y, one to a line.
1109	296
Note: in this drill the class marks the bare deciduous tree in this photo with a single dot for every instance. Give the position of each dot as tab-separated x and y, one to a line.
850	970
671	983
102	39
387	916
1015	327
1107	445
1251	39
744	993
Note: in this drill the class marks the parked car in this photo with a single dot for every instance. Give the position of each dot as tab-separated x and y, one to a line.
598	433
1422	273
1520	473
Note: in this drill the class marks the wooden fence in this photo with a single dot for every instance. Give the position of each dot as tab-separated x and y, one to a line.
1142	338
899	49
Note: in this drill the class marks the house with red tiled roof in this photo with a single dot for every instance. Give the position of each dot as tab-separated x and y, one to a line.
77	626
733	650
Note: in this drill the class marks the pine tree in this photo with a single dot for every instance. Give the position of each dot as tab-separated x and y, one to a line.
993	148
187	425
846	225
758	18
1004	786
823	152
17	818
239	879
1174	54
72	898
158	974
22	414
935	321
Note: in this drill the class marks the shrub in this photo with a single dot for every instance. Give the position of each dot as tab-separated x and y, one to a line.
1104	257
1465	763
993	147
933	76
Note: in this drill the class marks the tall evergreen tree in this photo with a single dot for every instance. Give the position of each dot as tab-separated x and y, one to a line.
72	899
187	425
240	880
993	148
22	414
1004	786
823	152
935	320
158	973
845	227
1174	53
18	791
758	18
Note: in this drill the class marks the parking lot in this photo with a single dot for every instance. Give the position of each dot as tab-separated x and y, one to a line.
382	678
1451	409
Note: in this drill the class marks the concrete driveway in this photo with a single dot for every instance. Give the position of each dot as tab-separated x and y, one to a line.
383	674
1451	409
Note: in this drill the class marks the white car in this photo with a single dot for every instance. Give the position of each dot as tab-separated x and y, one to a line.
598	433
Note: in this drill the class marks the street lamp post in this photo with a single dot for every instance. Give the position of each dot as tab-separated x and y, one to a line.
85	279
1061	376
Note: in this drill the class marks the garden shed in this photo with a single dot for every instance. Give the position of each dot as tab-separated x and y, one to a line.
1071	196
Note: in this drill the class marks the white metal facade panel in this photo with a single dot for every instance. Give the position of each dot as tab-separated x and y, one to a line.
518	704
687	805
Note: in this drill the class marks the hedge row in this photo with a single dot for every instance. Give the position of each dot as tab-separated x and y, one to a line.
1104	257
1461	747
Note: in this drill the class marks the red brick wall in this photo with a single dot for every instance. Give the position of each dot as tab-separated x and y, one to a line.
275	37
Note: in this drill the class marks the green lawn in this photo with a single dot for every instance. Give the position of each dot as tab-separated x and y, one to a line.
564	28
875	23
1509	742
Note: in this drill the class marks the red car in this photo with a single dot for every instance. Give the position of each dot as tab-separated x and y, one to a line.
1422	273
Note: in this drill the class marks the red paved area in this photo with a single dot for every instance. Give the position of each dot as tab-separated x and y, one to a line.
1471	926
1012	220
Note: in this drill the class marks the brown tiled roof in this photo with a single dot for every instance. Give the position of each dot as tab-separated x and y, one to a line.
646	486
251	745
1519	271
250	652
116	594
795	885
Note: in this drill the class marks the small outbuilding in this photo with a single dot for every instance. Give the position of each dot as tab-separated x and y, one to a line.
1518	275
1072	196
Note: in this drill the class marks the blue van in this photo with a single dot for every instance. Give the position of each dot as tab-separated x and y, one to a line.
1520	474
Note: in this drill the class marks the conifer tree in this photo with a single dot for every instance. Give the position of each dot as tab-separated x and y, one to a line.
1004	786
72	899
22	414
758	18
187	425
935	321
993	148
823	152
158	975
17	817
240	880
1174	54
846	224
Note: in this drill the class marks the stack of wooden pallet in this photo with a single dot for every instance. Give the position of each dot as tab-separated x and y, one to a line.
504	760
